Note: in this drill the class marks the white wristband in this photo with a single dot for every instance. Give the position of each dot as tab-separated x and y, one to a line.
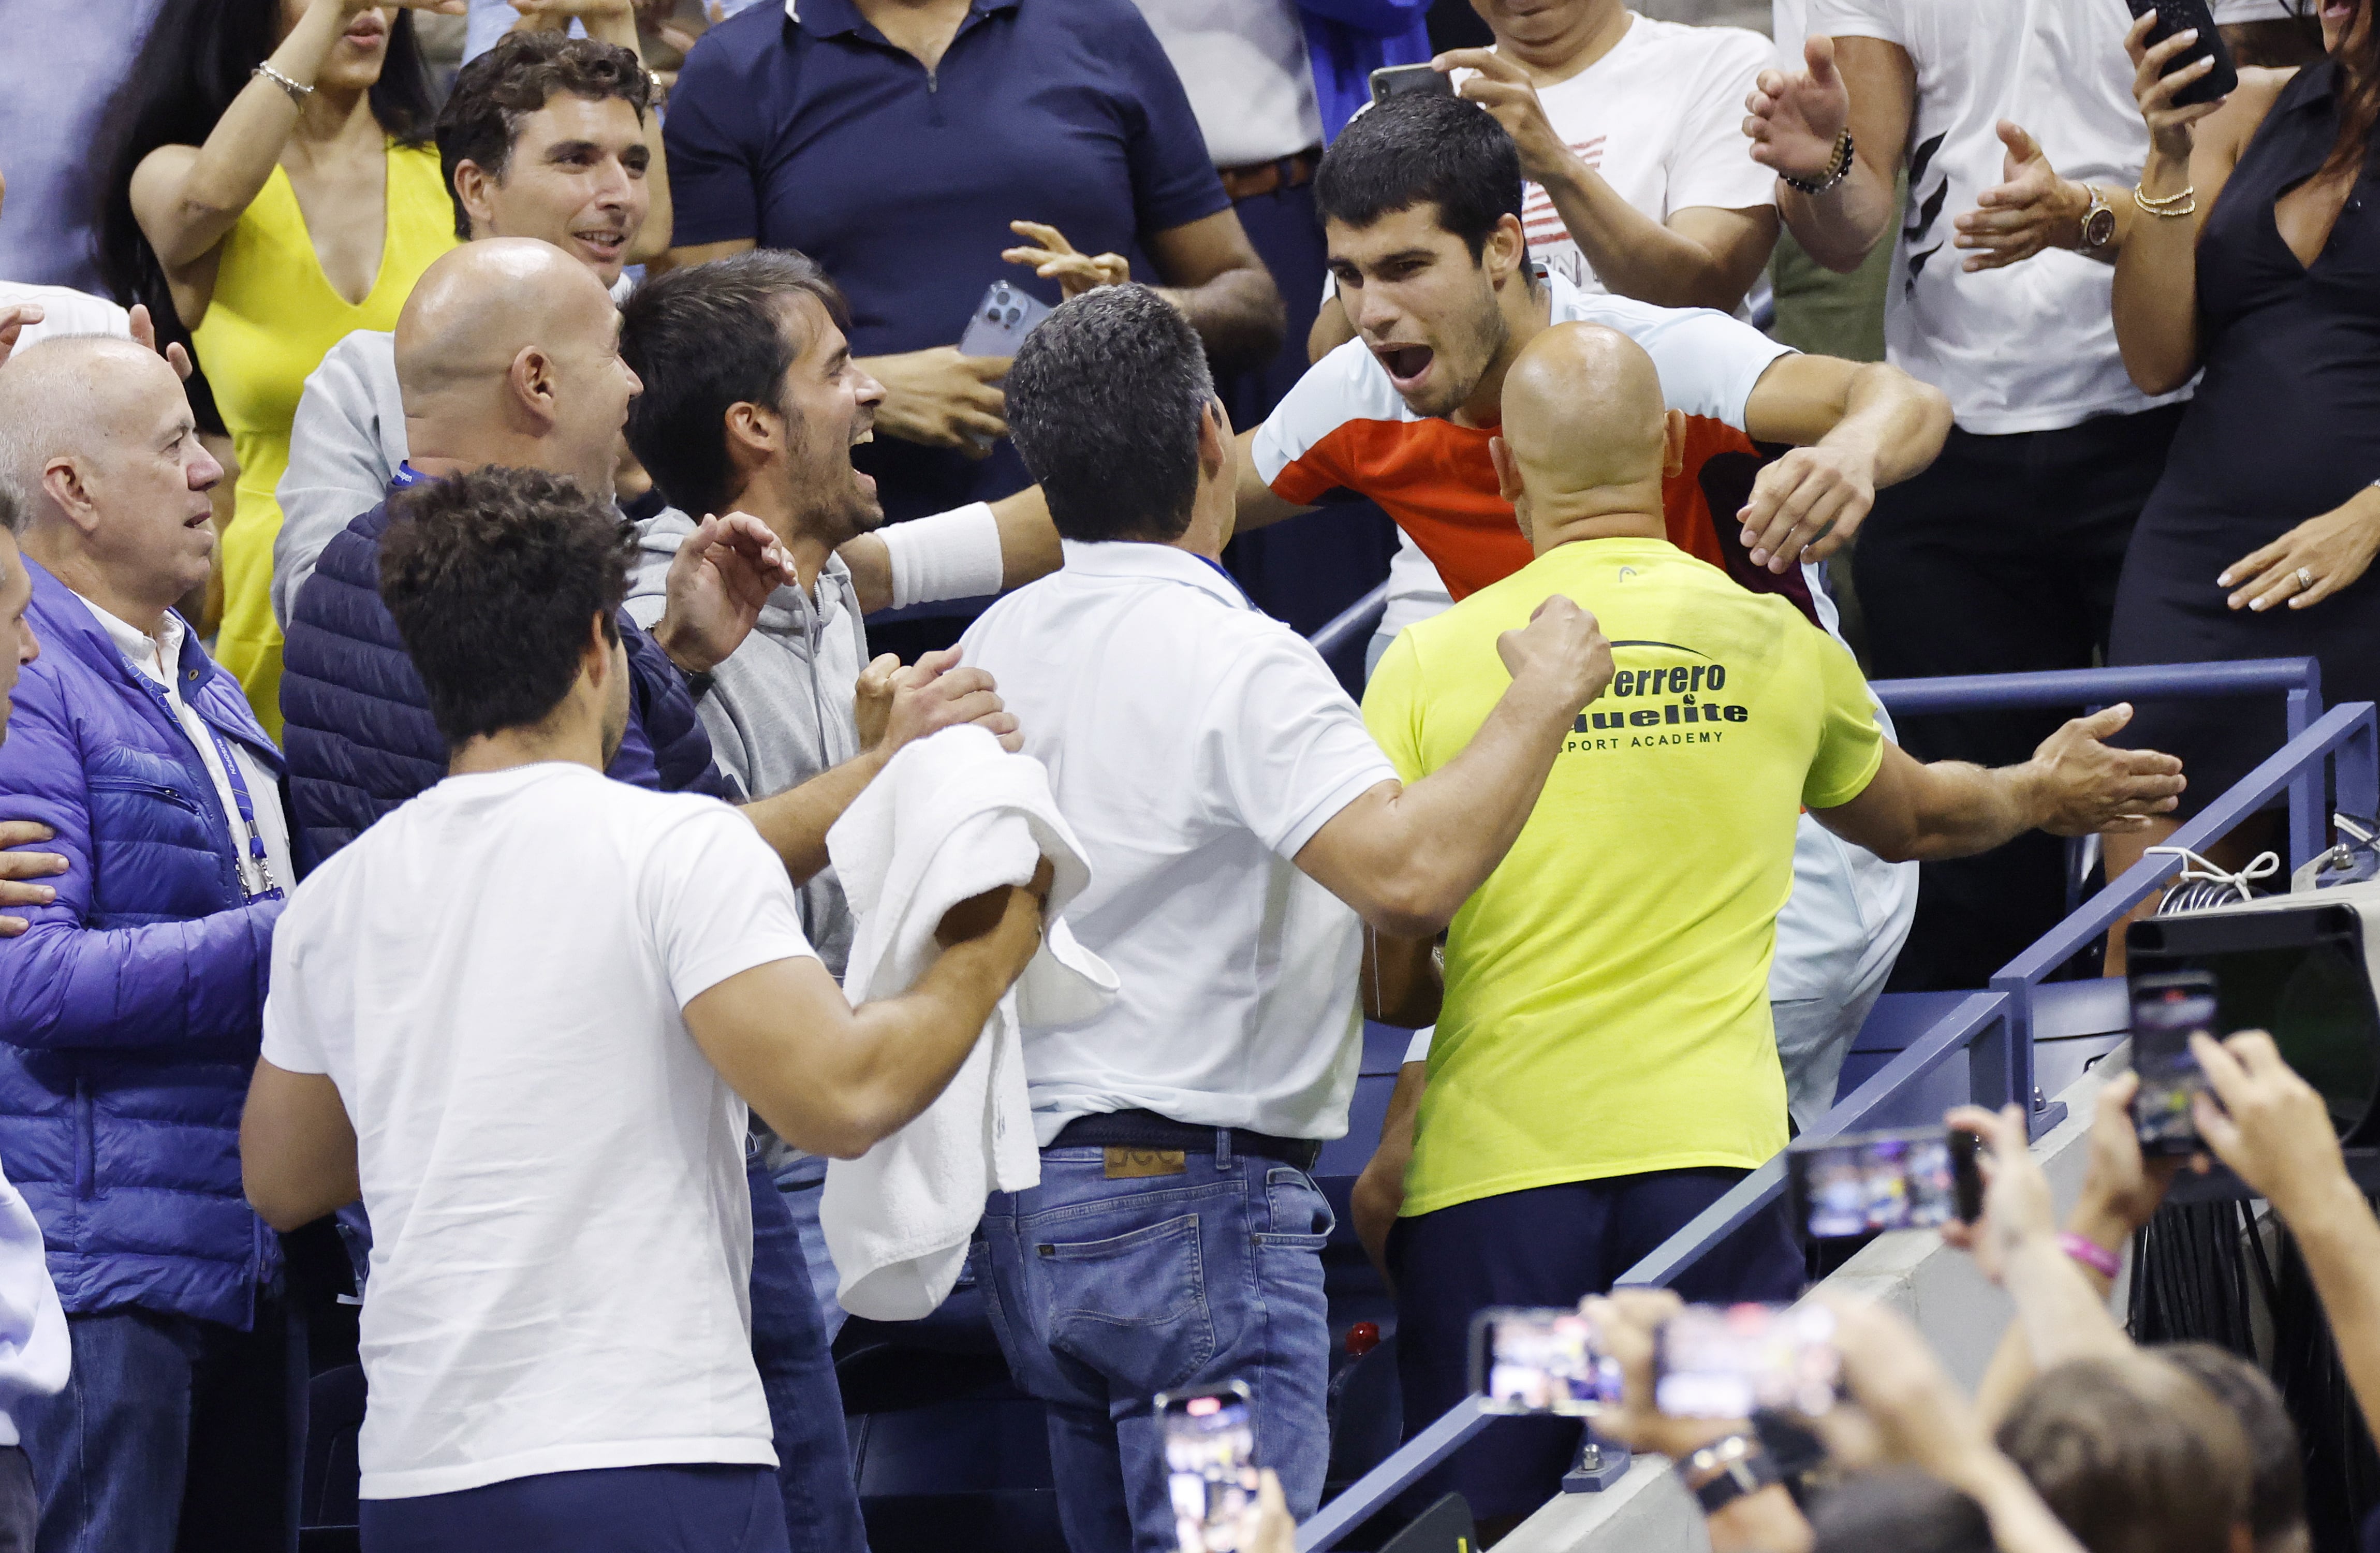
952	555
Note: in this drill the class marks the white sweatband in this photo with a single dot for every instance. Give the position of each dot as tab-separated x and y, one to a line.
1418	1050
952	555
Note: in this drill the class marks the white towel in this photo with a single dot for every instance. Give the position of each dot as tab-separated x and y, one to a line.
950	817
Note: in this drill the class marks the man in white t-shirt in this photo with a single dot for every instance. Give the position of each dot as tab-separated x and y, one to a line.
1234	809
539	1086
2015	123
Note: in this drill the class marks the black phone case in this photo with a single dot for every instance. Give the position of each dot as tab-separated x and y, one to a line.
2181	16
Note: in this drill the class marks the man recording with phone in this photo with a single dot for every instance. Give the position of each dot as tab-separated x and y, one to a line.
1605	1066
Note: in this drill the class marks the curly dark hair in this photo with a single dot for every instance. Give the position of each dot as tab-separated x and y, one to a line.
491	576
482	117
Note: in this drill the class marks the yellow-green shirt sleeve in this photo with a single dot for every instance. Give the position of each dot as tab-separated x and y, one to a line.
1851	747
1392	705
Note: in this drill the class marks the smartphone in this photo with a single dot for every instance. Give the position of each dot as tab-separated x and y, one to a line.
2181	16
1395	80
1002	320
1211	1465
1916	1178
1728	1361
2166	1011
1541	1362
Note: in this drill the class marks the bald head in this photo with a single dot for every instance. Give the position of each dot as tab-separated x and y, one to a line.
78	397
507	353
1586	439
99	449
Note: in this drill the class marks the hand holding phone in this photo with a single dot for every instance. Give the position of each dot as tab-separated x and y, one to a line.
1715	1361
1210	1466
2176	17
1544	1360
1915	1178
2166	1011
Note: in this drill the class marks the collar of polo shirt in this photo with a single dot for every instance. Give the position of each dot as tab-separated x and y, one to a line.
1139	558
793	14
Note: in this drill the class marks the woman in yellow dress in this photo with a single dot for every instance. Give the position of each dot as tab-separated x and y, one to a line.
279	193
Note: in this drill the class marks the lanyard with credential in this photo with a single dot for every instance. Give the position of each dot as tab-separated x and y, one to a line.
267	890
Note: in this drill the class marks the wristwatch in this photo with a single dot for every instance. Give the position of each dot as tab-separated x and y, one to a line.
1726	1470
2099	222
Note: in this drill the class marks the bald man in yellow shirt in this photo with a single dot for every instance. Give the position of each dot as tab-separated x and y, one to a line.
1605	1065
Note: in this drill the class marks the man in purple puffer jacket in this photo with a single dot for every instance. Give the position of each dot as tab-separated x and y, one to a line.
131	1008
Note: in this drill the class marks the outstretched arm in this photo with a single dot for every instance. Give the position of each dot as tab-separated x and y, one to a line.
1795	120
1858	427
2073	785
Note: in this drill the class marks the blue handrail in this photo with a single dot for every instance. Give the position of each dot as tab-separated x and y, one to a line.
1357	620
1993	1027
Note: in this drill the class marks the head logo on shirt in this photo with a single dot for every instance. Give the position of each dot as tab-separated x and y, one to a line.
1665	706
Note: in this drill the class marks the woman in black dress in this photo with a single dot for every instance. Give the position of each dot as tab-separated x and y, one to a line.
2253	250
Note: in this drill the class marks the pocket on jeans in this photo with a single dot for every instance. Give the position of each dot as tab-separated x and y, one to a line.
1134	1306
1297	1215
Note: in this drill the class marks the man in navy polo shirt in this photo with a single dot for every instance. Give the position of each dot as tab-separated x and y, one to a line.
896	142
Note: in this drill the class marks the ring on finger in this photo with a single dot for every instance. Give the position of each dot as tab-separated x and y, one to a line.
2305	579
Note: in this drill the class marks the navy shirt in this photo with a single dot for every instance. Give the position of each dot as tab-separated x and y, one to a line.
816	134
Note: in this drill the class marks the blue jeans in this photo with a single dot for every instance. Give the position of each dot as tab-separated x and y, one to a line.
789	1345
1105	1293
697	1508
172	1433
802	1183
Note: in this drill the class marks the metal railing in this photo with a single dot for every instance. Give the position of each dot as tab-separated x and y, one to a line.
1993	1028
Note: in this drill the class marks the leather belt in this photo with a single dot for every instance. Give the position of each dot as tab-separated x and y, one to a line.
1145	1128
1270	177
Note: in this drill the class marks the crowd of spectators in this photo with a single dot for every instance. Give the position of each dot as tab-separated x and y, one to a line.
544	698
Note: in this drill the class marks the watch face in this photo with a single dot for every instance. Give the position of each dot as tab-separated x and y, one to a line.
2099	227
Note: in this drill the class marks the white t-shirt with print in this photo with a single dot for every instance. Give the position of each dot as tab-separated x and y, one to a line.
492	975
1661	118
2030	347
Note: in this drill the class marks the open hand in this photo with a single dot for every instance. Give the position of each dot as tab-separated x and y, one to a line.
722	576
1053	258
1795	120
1806	505
18	870
2087	785
939	398
1510	98
2310	562
1562	648
2029	210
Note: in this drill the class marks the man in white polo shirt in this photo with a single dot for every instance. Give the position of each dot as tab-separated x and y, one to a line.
1234	809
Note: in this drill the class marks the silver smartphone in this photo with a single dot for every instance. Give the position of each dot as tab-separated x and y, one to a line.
1002	320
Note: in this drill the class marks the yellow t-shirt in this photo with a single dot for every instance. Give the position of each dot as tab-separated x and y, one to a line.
273	318
1607	1009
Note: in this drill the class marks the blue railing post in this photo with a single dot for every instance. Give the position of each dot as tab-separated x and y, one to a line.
2308	826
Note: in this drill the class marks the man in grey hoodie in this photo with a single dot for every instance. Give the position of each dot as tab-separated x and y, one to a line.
752	404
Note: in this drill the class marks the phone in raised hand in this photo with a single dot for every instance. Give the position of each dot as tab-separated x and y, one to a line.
1396	80
1913	1178
2181	16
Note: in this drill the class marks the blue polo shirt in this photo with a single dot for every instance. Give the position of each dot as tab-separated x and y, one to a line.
813	132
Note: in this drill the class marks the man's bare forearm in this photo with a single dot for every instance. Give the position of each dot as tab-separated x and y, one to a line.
1893	419
1962	809
1838	228
795	822
2341	1244
1238	314
1634	254
1426	848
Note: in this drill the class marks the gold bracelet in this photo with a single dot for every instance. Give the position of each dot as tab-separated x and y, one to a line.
2172	207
